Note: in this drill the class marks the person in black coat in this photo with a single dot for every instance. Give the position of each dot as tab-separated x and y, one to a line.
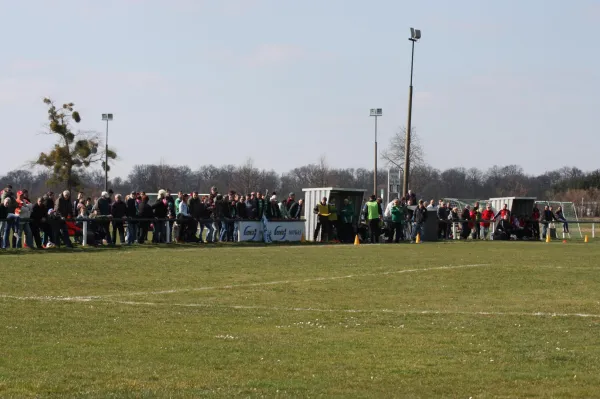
38	222
296	209
144	212
161	211
118	210
465	216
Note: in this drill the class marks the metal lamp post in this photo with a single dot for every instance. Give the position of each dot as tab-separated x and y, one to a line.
415	35
107	118
376	112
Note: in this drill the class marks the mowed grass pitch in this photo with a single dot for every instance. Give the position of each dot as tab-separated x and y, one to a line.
454	320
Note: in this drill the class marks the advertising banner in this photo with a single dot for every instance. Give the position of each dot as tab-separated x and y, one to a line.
250	231
286	231
281	231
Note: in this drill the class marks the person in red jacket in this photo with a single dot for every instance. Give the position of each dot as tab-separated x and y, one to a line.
503	212
488	215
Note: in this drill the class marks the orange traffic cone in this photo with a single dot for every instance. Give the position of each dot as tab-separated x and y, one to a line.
586	239
302	239
418	240
356	240
548	237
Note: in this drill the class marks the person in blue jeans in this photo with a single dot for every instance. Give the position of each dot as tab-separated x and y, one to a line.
12	224
561	218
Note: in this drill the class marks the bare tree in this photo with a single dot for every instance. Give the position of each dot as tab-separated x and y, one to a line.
394	154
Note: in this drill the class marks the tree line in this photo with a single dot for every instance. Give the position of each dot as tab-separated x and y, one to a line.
566	184
70	165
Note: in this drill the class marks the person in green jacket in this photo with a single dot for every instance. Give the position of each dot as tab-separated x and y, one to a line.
398	219
347	214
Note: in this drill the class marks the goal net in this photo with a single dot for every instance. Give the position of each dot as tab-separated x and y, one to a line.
569	211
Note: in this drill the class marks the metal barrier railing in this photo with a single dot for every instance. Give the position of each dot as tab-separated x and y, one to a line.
167	222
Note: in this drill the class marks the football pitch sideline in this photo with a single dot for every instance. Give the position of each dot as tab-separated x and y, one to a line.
460	320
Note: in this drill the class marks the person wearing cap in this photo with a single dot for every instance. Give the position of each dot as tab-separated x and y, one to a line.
373	215
272	212
322	212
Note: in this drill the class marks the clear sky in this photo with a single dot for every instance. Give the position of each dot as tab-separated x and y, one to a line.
285	81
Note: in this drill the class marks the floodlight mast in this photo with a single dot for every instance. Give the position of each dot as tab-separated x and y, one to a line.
376	112
415	35
107	118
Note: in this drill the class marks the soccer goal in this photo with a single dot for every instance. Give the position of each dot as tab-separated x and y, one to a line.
569	211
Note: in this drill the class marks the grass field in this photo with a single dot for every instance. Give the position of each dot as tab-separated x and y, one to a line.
459	320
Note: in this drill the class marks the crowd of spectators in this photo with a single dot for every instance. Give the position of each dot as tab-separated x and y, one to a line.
54	220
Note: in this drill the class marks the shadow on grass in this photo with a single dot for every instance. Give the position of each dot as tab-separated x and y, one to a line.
150	247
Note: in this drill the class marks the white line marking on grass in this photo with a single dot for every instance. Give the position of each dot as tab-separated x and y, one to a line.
231	286
306	280
405	312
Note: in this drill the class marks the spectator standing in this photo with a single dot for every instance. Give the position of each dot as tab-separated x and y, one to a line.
347	216
38	222
195	206
476	217
177	202
487	216
322	212
333	221
131	213
373	216
442	215
63	210
80	198
398	219
11	223
296	210
144	211
466	223
547	217
118	212
261	203
290	202
503	212
161	211
419	219
240	214
251	206
535	226
103	216
272	212
24	209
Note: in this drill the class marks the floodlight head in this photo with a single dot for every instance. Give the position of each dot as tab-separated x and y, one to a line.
376	112
415	34
107	117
